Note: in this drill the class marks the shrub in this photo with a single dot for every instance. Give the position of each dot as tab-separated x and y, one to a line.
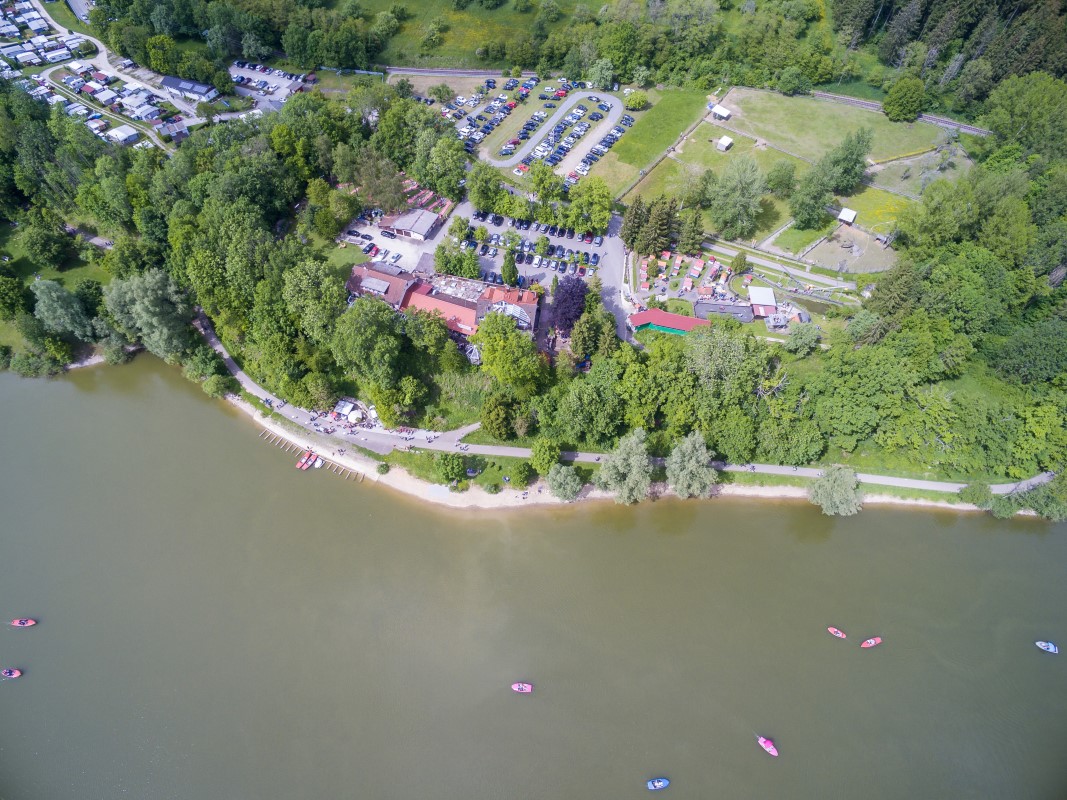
521	474
635	101
382	468
977	494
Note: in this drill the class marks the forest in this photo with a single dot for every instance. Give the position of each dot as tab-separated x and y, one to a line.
949	56
956	365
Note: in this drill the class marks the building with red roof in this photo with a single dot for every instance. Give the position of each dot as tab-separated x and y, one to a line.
519	304
659	320
459	314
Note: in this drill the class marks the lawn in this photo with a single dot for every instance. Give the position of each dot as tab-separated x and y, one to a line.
808	127
876	209
913	174
655	129
700	150
793	239
64	17
658	128
344	258
467	31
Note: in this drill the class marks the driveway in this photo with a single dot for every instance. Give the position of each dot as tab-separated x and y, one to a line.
569	102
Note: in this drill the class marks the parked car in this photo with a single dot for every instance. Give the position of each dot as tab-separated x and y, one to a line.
388	234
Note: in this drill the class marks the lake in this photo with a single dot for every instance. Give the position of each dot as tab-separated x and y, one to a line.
217	624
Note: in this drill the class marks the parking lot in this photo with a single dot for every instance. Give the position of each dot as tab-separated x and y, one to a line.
610	253
262	84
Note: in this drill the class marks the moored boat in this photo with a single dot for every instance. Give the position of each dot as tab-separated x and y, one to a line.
1048	647
767	745
522	688
23	623
10	672
840	634
656	784
877	640
318	462
305	460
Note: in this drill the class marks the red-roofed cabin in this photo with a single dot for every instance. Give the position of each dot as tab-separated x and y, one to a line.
458	316
659	320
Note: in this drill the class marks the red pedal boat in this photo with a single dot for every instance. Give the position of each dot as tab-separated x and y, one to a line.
877	640
522	688
840	634
768	745
306	460
10	672
23	623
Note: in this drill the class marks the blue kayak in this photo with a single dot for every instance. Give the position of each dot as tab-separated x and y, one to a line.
656	784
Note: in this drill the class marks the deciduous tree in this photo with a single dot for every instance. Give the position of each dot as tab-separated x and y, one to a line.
689	470
837	491
627	471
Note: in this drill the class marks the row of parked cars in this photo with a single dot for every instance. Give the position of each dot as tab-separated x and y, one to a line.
289	76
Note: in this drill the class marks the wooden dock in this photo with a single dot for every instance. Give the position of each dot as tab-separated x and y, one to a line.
279	441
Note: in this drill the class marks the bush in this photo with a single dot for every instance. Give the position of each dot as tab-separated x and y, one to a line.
5	356
450	467
493	488
977	494
521	474
382	468
635	101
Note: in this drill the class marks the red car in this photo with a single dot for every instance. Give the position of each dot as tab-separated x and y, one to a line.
511	104
588	238
374	250
515	141
560	94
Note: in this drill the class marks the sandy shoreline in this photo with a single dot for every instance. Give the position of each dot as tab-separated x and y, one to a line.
476	497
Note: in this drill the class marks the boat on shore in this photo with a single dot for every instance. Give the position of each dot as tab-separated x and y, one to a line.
522	688
318	462
840	634
23	623
656	784
306	460
1048	647
873	642
767	745
10	672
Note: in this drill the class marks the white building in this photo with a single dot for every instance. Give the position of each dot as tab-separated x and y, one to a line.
123	134
847	216
720	112
724	144
191	90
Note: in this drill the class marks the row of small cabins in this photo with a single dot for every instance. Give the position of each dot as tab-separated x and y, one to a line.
39	49
461	302
21	15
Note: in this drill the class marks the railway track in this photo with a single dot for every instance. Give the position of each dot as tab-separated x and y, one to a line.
933	119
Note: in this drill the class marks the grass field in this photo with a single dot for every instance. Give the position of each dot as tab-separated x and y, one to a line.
61	13
672	111
908	175
793	239
699	153
809	127
467	31
344	258
877	209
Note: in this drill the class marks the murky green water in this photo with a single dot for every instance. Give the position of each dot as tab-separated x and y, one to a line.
215	624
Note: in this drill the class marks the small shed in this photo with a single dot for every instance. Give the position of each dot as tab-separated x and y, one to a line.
847	216
763	301
720	111
724	144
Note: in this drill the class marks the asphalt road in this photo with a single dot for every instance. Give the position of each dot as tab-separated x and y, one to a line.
569	102
80	9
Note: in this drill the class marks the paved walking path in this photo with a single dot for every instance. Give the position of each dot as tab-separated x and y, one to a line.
383	442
